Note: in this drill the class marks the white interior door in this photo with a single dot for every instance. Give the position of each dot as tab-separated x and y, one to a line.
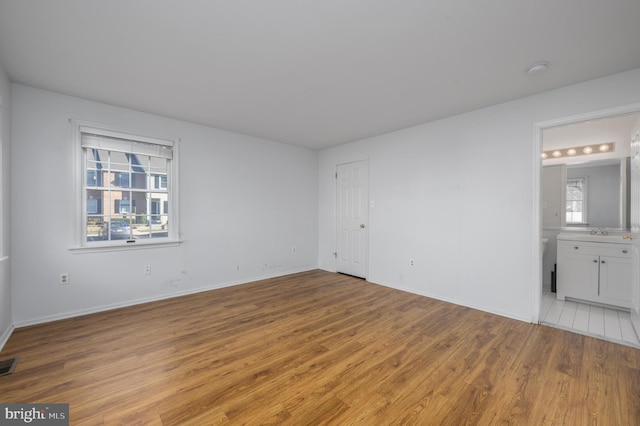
352	218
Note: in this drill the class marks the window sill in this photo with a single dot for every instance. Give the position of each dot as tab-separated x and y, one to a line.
136	246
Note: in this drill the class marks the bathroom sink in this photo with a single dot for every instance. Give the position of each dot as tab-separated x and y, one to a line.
615	238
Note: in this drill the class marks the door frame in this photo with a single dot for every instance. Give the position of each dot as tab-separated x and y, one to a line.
537	203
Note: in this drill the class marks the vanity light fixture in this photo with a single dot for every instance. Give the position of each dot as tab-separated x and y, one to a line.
579	150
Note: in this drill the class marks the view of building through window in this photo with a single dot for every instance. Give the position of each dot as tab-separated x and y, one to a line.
126	188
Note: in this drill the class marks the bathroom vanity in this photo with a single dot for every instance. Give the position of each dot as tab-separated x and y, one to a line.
595	267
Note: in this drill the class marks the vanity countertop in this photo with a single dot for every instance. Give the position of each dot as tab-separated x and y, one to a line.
609	237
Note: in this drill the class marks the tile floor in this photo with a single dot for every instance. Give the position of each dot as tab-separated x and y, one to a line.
592	320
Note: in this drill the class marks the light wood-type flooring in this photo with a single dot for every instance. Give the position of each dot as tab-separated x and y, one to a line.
318	348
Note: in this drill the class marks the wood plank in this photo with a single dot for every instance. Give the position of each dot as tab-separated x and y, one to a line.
319	348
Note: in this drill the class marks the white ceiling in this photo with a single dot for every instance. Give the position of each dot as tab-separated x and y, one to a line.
309	72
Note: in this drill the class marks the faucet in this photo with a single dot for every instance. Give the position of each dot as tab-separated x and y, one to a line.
599	231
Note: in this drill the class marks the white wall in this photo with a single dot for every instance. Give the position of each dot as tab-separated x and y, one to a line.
244	203
458	195
552	194
6	325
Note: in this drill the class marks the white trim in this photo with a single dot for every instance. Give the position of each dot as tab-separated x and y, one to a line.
594	115
144	244
79	204
6	335
2	189
536	229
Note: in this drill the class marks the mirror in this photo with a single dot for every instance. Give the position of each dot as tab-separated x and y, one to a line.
598	194
591	189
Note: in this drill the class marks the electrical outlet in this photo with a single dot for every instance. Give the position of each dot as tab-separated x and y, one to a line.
293	250
64	278
412	262
147	270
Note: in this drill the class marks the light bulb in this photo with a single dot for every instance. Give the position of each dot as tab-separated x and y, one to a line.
587	150
604	148
557	154
571	151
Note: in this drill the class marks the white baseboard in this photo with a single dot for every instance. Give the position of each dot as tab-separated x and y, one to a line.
4	337
505	314
81	312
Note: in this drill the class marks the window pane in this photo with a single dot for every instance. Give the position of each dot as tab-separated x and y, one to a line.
159	226
118	161
140	170
575	201
120	179
94	167
159	181
120	170
116	229
158	165
94	201
122	204
92	178
138	180
139	200
94	228
92	206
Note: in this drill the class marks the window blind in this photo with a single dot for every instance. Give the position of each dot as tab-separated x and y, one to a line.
162	149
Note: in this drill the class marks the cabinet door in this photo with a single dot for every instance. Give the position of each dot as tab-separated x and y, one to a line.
577	276
615	280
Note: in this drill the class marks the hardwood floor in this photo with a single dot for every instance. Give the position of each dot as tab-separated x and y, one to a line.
319	348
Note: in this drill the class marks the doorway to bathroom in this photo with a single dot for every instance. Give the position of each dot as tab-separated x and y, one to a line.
585	179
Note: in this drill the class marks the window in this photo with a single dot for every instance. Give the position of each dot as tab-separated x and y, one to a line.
127	190
577	201
160	181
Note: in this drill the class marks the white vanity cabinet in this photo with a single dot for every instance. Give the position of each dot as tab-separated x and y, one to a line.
594	271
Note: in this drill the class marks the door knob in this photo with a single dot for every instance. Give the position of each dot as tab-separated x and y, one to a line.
362	225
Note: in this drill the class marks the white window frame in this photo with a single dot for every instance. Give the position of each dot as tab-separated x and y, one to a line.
583	181
80	217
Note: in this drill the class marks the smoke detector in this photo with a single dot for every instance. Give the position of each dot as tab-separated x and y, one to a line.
537	68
